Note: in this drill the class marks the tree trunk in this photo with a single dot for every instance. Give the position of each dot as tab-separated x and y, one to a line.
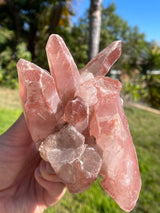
14	11
55	16
32	40
94	27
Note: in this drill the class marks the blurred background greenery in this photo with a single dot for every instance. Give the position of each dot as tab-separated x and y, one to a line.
26	25
24	30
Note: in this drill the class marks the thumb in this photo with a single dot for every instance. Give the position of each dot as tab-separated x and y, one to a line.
18	133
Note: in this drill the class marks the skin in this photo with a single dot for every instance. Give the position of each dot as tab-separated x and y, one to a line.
27	183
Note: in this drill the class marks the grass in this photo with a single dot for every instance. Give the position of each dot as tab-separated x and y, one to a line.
144	128
10	108
7	118
9	99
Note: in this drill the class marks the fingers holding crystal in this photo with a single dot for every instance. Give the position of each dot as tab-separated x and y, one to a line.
53	187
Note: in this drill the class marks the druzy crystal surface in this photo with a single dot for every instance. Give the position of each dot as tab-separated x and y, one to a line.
77	122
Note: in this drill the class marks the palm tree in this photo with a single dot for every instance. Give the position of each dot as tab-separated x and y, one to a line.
94	28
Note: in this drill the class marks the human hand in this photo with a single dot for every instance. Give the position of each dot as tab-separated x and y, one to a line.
27	183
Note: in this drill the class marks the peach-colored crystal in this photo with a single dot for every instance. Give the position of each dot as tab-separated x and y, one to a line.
88	92
77	113
62	68
64	146
39	98
110	128
73	161
79	122
100	64
87	168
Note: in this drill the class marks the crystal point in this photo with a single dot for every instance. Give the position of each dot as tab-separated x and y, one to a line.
102	62
37	99
62	68
110	128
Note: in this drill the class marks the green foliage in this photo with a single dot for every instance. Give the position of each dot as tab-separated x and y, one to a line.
5	35
132	90
133	48
151	57
31	22
154	91
142	88
113	27
79	46
135	88
9	58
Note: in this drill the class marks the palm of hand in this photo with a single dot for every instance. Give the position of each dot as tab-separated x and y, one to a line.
25	184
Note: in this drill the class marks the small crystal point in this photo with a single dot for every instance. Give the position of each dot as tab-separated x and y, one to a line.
77	113
102	62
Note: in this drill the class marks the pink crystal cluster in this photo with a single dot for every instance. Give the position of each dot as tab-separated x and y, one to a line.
77	121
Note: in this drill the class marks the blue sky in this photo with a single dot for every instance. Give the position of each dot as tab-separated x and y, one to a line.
143	13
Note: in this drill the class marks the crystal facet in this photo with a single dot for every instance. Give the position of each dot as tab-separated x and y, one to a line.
77	113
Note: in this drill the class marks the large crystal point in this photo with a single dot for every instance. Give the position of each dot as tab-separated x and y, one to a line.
62	68
110	128
39	98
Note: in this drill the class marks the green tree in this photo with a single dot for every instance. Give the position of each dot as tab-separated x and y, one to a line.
113	27
133	49
116	28
28	24
151	57
31	19
9	58
151	61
